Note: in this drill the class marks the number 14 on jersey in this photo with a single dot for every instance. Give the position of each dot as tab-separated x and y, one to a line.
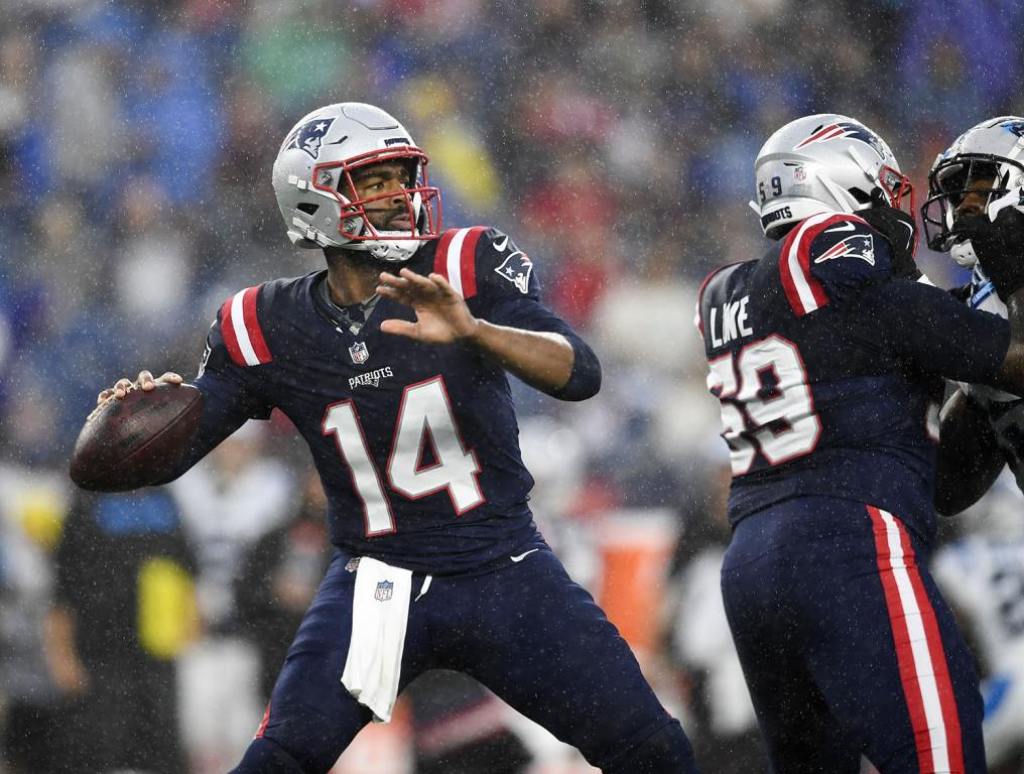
425	416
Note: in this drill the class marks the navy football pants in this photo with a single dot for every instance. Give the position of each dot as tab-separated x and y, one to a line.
847	646
525	631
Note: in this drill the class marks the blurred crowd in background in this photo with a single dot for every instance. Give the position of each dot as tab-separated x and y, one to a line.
613	140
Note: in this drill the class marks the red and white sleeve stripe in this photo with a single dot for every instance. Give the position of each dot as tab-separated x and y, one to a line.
455	258
804	292
241	330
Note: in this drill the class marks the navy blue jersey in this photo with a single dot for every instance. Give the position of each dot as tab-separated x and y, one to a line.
828	370
416	444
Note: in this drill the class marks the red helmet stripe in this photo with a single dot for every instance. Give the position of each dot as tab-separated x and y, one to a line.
818	135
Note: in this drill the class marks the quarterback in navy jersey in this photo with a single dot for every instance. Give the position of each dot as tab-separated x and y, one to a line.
392	365
827	357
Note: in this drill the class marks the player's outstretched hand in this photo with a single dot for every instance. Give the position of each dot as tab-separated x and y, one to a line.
999	245
442	317
144	382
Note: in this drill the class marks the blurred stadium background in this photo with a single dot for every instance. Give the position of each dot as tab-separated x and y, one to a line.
613	140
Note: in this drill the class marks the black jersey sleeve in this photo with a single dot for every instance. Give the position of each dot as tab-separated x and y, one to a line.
499	283
231	396
938	334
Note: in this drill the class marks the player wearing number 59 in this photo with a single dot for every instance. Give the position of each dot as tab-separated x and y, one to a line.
827	357
392	365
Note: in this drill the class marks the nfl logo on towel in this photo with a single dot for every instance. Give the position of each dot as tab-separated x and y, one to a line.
359	353
384	591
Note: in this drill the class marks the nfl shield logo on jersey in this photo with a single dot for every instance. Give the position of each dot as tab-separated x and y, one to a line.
384	591
359	353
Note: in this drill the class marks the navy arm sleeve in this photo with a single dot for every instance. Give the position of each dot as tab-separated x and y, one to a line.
229	400
510	295
937	333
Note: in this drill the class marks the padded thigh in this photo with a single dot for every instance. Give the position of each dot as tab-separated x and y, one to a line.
312	716
525	630
541	643
828	619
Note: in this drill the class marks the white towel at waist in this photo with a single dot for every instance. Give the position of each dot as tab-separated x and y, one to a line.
380	612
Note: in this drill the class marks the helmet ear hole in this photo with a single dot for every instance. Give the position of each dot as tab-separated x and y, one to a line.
307	207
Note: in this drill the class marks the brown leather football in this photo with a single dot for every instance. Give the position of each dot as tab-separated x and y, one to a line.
133	442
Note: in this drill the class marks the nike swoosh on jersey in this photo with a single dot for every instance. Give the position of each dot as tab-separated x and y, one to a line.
847	226
501	244
522	556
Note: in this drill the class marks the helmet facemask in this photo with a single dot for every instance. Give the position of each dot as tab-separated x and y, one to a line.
356	229
951	179
895	185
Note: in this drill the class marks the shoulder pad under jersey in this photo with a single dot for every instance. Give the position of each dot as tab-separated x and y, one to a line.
486	262
827	257
237	335
713	290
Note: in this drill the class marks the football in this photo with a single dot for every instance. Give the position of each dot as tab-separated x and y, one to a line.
130	443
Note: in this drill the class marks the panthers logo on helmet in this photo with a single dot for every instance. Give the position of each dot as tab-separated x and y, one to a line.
309	137
842	129
856	246
1014	127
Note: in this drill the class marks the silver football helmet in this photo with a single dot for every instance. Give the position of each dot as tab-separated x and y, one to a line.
823	163
317	195
987	157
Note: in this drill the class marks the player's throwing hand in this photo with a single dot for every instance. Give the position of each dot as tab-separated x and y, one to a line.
144	382
442	317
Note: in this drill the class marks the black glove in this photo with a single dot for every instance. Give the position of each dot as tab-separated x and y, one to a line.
999	246
901	232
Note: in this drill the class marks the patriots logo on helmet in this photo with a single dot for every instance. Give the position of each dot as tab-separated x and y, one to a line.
516	269
1014	127
856	246
842	129
310	136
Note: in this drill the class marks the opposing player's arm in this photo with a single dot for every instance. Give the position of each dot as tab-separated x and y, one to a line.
1011	373
511	326
999	245
969	458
